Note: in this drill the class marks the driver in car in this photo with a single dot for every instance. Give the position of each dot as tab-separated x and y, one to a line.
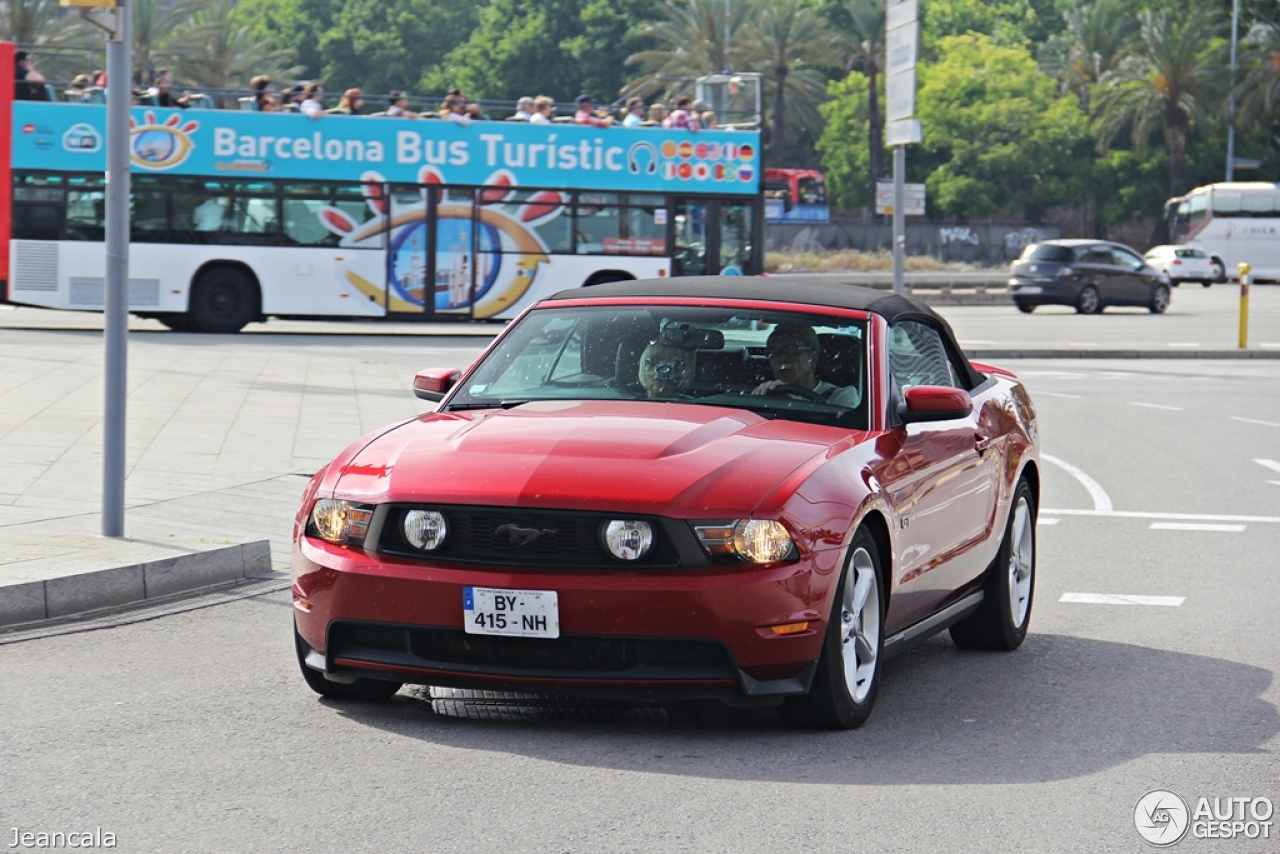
665	371
794	352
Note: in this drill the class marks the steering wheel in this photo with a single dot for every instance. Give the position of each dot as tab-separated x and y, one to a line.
788	390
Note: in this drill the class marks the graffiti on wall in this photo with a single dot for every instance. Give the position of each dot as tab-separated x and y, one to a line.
958	234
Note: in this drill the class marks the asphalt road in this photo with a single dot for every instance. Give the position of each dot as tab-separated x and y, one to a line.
194	731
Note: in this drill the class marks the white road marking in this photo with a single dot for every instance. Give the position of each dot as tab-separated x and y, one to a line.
1269	346
1185	517
1193	526
1271	464
1051	374
1118	599
1044	521
1254	421
1184	344
973	342
1101	501
1083	344
1276	482
1059	394
1156	406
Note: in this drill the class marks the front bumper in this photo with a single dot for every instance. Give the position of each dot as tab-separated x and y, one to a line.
703	632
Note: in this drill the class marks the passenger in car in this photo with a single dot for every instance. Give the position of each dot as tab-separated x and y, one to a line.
666	371
794	355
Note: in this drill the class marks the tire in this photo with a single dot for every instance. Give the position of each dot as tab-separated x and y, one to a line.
361	689
1219	270
223	300
1001	620
1159	299
1024	306
1089	302
1208	283
848	678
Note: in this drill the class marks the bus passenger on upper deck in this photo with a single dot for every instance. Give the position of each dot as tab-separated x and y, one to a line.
399	106
680	117
635	113
543	110
586	114
352	101
524	109
312	105
454	109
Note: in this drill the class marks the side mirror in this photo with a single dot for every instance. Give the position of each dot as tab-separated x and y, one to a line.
934	403
434	383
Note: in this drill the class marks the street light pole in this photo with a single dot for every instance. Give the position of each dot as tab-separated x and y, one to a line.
1231	96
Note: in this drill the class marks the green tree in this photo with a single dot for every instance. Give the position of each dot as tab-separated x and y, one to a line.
1172	73
845	142
688	39
1092	44
225	53
54	38
791	41
1259	91
862	23
558	47
999	138
297	26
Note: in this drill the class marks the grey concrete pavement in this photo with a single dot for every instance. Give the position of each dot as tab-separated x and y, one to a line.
223	431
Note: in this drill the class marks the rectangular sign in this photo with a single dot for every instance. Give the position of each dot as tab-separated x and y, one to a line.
900	96
901	47
514	613
904	132
912	198
901	13
234	144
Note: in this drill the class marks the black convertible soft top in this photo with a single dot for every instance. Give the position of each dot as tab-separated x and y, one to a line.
801	290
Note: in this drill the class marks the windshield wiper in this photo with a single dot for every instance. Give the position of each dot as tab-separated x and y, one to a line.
496	404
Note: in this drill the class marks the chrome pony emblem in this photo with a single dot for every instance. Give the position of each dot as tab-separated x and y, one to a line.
517	535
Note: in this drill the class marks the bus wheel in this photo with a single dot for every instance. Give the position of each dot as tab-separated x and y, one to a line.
223	300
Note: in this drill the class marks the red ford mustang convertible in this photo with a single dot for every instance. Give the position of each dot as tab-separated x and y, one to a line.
750	490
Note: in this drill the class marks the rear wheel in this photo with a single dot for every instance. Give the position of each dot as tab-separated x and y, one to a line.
223	300
1219	270
361	689
1024	306
1001	620
1208	283
844	688
1089	302
1159	299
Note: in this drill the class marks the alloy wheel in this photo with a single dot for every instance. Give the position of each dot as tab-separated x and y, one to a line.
860	625
1021	561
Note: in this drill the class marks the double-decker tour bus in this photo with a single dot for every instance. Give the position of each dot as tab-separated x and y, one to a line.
238	216
795	195
1232	222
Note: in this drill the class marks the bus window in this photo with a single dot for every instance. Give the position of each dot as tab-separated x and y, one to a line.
556	233
148	209
86	209
1258	204
303	204
813	191
1224	205
38	202
735	236
225	212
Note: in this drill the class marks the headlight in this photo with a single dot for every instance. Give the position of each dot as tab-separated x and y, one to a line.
627	540
424	529
755	540
342	522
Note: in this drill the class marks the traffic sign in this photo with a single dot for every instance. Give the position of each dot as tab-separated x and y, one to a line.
900	96
904	132
901	13
901	47
912	198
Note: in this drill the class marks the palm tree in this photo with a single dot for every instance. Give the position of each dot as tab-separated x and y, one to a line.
224	52
56	36
691	43
862	23
782	36
1171	71
153	23
1095	34
1259	91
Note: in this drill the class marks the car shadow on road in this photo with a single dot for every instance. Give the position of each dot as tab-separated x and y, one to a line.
1058	708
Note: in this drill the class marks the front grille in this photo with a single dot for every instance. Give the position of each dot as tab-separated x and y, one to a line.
438	648
565	538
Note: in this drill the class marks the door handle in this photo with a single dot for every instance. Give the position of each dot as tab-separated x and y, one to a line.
981	443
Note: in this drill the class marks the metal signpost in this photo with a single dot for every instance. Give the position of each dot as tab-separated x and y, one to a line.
912	200
902	41
113	17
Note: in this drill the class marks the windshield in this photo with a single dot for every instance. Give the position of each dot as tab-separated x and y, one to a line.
778	364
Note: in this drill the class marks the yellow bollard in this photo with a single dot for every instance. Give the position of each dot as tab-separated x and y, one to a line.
1244	269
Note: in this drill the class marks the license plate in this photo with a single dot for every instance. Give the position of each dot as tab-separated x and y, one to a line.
515	613
1030	289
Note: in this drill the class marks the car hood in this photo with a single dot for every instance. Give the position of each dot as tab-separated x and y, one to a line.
637	456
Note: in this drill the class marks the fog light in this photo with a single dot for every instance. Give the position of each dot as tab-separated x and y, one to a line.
627	540
425	529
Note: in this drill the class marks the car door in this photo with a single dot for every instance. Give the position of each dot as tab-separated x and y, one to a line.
1136	279
1097	267
946	503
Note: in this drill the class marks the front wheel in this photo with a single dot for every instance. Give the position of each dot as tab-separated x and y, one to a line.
1089	302
1159	299
223	300
1001	620
844	688
1024	306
